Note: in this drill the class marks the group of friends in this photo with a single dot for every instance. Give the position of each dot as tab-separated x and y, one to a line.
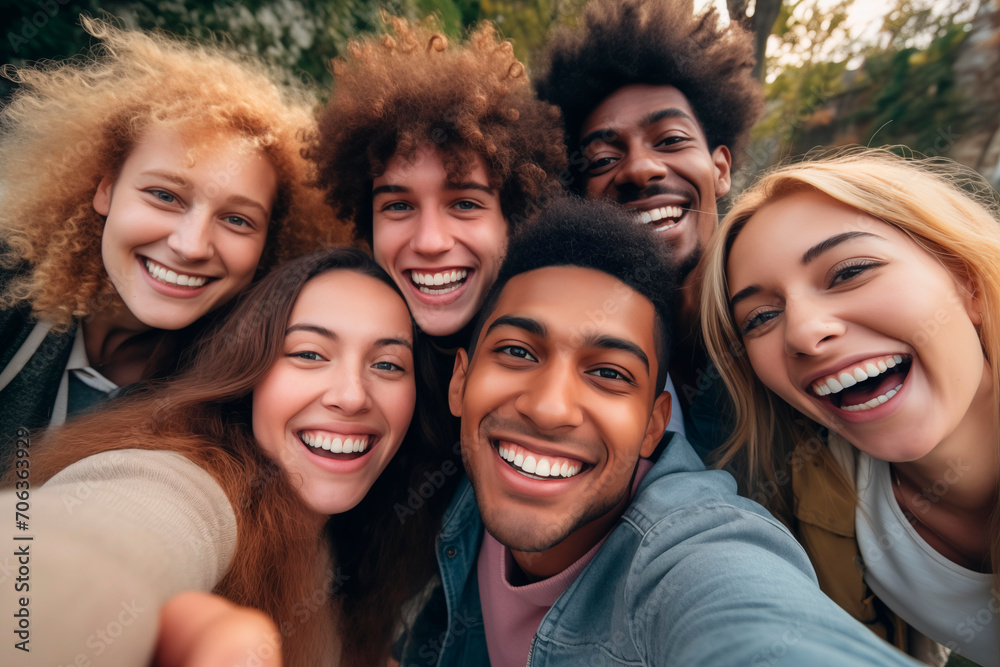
559	415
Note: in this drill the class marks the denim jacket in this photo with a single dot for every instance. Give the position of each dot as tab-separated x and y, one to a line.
691	574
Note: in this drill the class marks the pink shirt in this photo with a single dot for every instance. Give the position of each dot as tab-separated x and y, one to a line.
512	614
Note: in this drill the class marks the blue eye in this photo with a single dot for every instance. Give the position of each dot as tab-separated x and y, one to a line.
397	206
163	196
237	221
466	205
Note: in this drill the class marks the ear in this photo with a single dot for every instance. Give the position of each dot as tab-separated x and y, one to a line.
658	421
102	198
723	161
456	389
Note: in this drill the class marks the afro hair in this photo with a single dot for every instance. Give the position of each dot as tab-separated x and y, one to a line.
653	42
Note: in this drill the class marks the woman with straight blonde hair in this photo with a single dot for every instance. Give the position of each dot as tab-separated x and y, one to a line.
850	304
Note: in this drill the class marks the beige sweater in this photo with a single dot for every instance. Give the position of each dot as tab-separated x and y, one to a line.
115	536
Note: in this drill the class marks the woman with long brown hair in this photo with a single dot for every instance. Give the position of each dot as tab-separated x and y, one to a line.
223	478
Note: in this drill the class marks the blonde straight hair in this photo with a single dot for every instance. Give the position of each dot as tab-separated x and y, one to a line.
949	211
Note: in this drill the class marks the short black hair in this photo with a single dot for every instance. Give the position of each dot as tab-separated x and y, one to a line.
658	43
599	235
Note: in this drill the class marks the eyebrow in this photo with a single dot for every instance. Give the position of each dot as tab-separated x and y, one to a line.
807	257
603	342
173	178
647	120
326	333
613	343
470	185
833	242
533	327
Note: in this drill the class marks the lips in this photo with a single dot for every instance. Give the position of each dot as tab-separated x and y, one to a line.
865	384
173	278
439	282
329	444
536	465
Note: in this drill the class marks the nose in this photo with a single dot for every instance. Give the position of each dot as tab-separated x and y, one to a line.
432	236
347	392
191	239
809	327
640	167
552	398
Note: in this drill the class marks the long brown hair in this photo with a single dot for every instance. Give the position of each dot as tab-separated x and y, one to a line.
205	414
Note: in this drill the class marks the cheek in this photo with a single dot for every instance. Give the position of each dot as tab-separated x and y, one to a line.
242	256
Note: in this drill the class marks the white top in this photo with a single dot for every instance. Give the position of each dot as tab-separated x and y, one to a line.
945	601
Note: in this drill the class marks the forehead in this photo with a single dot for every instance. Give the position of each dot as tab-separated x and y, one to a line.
426	165
629	107
349	303
575	304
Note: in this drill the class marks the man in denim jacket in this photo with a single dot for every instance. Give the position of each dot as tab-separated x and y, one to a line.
602	545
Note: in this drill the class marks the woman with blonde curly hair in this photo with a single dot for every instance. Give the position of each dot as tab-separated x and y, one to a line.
142	187
851	307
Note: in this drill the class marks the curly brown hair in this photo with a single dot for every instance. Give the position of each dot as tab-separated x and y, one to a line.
413	86
71	123
653	42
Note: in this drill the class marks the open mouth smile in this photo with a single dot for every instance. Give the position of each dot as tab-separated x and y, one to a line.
664	217
337	445
537	466
170	277
864	385
439	283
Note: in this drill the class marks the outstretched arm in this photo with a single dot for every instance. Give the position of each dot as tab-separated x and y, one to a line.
114	537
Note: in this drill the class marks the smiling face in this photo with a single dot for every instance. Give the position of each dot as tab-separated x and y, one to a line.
856	326
646	150
185	226
335	406
440	241
556	410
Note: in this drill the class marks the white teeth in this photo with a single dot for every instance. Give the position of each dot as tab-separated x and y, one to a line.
336	445
165	275
538	466
873	403
845	379
447	281
664	212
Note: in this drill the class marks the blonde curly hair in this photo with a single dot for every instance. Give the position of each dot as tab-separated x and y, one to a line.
72	123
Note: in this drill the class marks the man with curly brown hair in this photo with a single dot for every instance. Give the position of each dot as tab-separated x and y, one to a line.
656	101
434	148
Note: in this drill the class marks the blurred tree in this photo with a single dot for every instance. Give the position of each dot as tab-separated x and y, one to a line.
759	20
